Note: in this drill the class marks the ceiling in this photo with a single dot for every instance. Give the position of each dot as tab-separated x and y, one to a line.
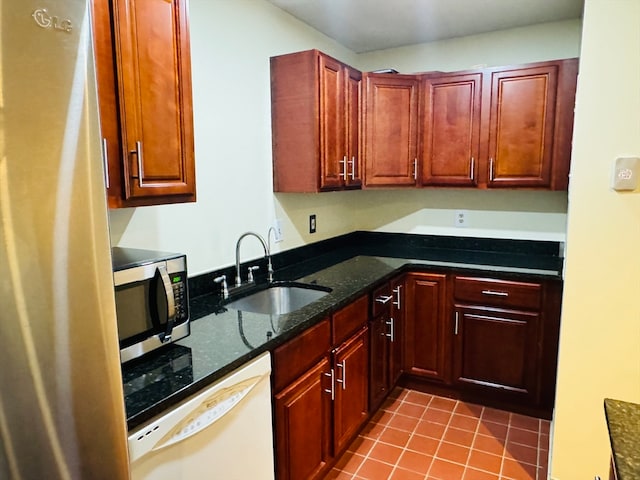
367	25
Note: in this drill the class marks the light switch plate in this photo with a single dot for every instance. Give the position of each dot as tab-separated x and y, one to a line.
625	173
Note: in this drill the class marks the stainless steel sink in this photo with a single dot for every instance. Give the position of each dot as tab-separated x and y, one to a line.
279	299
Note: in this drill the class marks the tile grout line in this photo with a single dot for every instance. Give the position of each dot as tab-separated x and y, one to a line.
473	441
395	467
504	450
440	444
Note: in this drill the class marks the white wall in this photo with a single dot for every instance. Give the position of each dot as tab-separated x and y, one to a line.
231	45
547	41
600	330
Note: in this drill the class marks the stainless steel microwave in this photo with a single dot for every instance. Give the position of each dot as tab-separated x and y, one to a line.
152	299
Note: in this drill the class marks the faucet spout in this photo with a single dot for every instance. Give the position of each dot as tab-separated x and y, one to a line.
264	245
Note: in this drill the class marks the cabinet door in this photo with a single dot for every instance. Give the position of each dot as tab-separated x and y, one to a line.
452	130
378	362
391	129
396	330
427	330
303	425
522	126
154	73
496	350
108	100
352	388
353	106
332	124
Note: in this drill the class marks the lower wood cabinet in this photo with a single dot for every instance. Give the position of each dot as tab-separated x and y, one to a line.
379	383
492	340
386	332
321	385
427	352
497	351
351	389
303	425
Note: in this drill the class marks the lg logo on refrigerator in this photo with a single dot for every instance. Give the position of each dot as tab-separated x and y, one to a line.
44	20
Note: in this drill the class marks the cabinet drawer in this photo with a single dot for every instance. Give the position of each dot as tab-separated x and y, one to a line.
502	293
298	355
381	298
349	319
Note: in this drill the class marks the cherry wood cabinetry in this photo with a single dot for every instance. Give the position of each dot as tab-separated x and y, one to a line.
499	127
498	338
386	332
488	339
303	425
391	123
396	365
320	383
521	129
451	129
427	333
144	89
350	409
315	109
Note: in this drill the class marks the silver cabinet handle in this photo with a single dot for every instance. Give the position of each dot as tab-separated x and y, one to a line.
138	153
415	168
105	161
331	390
495	293
352	162
384	299
455	327
473	168
343	170
491	169
397	292
343	380
392	329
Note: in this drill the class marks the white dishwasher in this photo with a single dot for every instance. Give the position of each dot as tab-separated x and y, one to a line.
223	432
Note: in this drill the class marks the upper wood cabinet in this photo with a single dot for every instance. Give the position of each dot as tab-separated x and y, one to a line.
503	127
521	126
391	120
498	127
315	114
451	130
144	88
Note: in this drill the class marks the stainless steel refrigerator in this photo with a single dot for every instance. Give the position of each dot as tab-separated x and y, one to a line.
61	402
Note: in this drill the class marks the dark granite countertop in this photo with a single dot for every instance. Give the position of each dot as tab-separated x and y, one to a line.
623	421
221	342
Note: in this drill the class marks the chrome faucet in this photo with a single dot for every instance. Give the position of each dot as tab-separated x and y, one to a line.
266	254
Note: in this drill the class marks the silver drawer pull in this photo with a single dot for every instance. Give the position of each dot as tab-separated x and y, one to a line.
384	299
331	390
343	380
495	293
397	292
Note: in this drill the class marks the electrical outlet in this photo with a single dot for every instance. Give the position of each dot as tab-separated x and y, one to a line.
312	223
461	219
277	230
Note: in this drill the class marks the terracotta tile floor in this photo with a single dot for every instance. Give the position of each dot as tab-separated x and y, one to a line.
419	436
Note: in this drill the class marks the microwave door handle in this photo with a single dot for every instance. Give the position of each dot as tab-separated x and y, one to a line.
171	304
